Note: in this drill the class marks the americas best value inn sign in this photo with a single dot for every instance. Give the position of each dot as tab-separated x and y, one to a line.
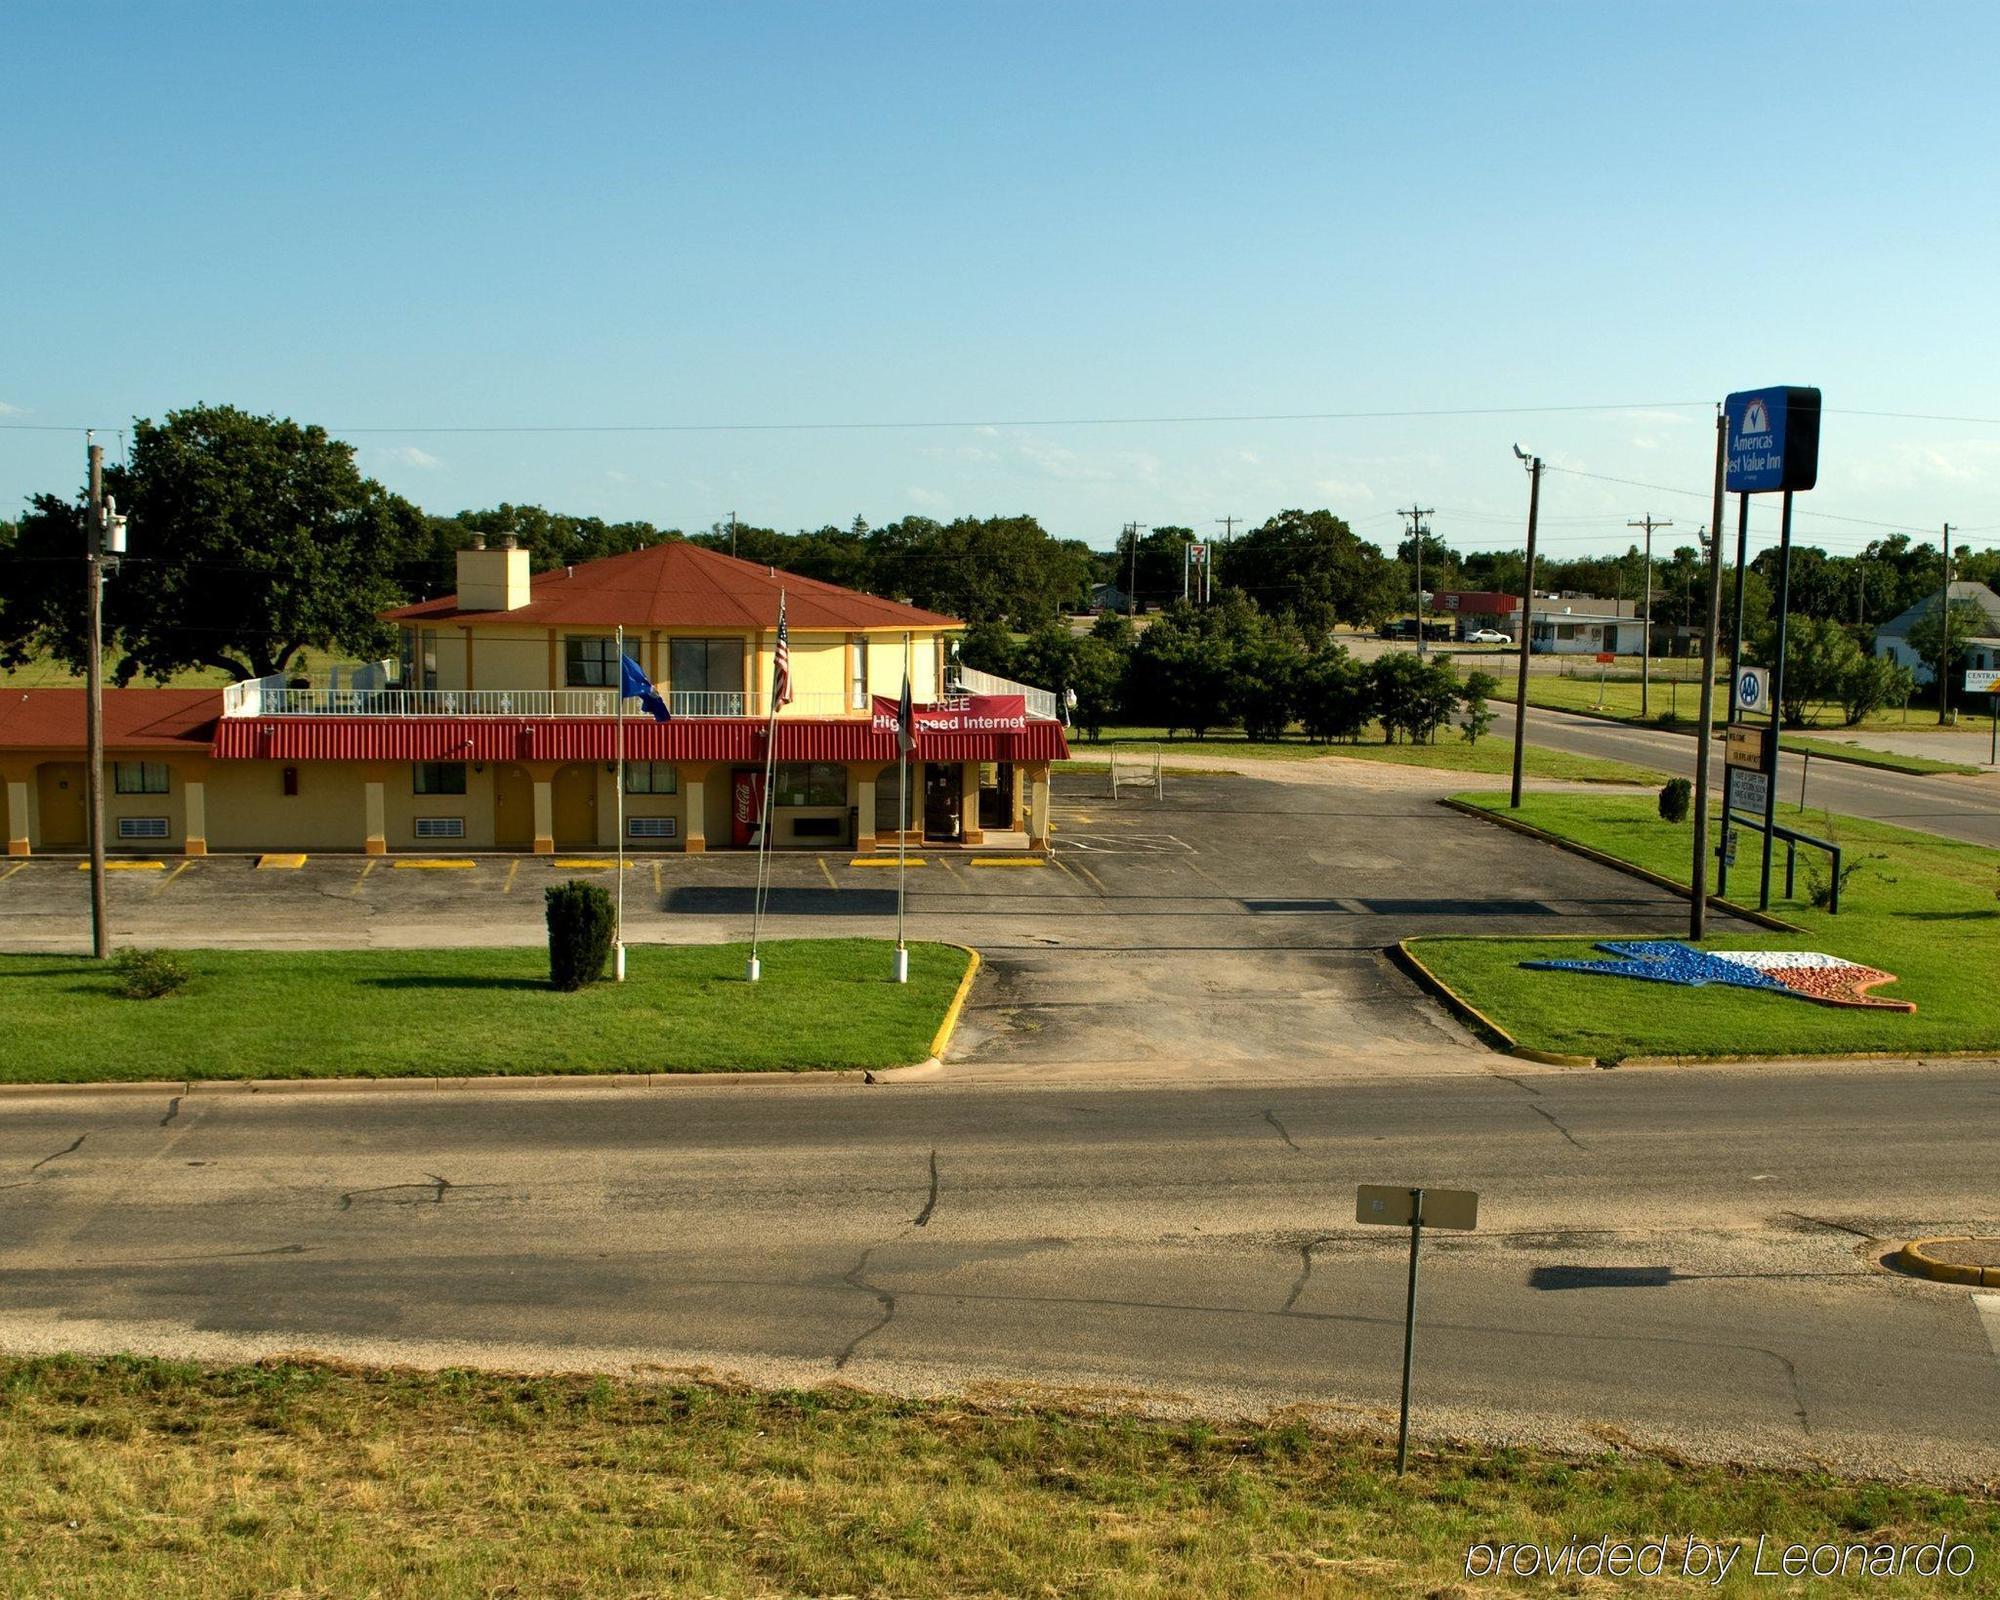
1773	439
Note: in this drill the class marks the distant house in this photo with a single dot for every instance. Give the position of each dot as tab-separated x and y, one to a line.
1107	597
1892	639
1581	624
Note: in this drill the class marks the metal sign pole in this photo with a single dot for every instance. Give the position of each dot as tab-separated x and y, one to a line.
1704	745
618	713
1777	697
1409	1330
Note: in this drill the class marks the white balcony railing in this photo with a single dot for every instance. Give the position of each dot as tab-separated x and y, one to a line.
970	680
263	698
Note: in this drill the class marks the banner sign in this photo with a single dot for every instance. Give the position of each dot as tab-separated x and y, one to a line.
1982	680
970	713
1773	439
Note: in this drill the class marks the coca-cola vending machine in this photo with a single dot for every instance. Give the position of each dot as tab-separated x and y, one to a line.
746	805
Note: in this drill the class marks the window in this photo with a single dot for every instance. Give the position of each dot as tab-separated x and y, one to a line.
139	777
437	777
857	671
649	777
817	783
590	661
711	671
440	827
418	659
142	827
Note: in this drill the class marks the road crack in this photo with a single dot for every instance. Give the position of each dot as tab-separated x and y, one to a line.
886	1300
434	1183
66	1150
1306	1249
1550	1117
923	1217
173	1109
1272	1118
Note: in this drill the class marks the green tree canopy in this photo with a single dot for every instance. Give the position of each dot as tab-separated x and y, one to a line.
251	539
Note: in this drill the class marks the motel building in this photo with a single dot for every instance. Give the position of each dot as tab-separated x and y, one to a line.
497	729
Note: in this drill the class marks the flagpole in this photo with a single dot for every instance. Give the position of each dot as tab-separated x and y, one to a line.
905	736
618	938
756	971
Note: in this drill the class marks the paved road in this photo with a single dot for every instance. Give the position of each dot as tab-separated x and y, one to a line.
1685	1257
1957	807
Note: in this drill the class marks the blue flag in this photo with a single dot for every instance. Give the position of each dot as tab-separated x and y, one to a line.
633	684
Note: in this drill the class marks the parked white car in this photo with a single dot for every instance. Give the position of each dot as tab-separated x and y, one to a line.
1488	636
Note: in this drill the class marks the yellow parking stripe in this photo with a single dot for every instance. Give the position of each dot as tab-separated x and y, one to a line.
19	866
126	866
589	863
179	868
828	871
883	861
433	864
1008	861
280	863
513	867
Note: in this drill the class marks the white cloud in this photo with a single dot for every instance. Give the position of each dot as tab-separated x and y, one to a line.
1061	464
929	499
1343	489
12	411
408	455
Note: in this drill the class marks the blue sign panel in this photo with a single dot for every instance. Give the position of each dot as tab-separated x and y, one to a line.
1773	439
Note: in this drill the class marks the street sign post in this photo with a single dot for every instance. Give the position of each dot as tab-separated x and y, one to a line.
1388	1205
1987	681
1753	688
1771	439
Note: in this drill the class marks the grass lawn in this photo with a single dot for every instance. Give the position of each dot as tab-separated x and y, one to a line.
147	1480
1921	907
1450	752
456	1013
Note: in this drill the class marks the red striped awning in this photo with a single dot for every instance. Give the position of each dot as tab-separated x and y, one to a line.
332	738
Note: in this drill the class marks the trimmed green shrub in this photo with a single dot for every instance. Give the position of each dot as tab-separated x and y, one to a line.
581	923
150	974
1674	799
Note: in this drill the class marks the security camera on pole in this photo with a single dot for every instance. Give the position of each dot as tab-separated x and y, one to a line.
103	544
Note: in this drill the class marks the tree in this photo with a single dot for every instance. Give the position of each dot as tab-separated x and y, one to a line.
1414	696
1309	566
988	647
1820	656
251	539
1478	714
1097	675
1336	694
1873	682
1961	621
1180	673
1263	684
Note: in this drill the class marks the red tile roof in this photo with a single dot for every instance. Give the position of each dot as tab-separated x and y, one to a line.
53	719
677	584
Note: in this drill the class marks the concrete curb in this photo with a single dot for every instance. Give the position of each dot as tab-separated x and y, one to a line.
1762	919
1914	1258
941	1040
1401	953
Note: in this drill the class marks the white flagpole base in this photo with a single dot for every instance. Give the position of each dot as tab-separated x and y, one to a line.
902	964
618	962
753	969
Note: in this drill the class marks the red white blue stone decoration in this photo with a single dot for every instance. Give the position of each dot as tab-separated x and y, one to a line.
1807	974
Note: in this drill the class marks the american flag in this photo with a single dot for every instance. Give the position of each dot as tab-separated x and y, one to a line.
781	662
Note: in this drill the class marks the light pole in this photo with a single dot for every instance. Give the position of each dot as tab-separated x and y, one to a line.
1534	466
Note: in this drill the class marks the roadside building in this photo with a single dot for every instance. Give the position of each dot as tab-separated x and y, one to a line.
1473	609
1579	624
496	729
1892	639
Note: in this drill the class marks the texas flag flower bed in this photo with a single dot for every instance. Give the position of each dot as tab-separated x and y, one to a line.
1808	974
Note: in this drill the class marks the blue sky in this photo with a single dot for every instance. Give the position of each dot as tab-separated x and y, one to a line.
449	216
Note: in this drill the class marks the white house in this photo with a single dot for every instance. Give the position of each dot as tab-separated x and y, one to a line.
1892	639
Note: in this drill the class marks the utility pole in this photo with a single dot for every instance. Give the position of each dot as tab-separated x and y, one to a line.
1944	634
1228	538
1705	736
1132	581
1534	466
732	533
93	673
1416	514
1646	633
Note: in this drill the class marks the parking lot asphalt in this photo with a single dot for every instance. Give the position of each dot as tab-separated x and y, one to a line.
1239	919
